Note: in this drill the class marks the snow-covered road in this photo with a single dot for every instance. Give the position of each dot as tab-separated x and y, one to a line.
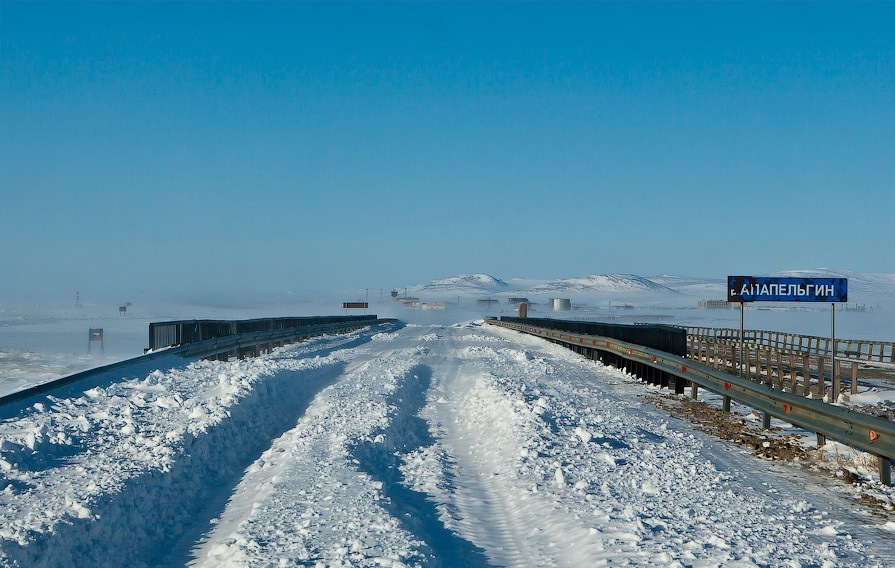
454	446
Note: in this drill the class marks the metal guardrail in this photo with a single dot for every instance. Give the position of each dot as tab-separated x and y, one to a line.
233	344
862	431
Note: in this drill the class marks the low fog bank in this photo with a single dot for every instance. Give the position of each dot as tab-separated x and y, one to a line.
63	328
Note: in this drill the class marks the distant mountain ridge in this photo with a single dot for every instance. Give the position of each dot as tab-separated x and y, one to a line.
485	284
602	283
863	286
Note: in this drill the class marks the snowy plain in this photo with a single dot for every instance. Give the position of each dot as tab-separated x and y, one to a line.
451	445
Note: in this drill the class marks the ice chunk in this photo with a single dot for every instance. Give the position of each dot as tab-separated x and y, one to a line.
583	434
559	477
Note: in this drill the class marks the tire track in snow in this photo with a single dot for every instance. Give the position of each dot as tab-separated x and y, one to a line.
381	459
480	432
329	491
548	460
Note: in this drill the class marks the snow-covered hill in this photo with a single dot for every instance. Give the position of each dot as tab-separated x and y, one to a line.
588	289
601	283
461	284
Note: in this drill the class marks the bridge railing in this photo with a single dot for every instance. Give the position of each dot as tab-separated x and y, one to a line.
846	349
238	345
863	431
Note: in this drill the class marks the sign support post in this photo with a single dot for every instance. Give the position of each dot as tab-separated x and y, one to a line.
742	333
833	380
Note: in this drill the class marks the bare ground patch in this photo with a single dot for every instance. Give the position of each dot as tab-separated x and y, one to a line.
773	444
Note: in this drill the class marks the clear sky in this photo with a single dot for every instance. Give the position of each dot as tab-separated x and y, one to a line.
191	147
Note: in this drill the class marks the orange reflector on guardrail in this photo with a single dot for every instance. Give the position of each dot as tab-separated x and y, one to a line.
787	408
726	385
874	435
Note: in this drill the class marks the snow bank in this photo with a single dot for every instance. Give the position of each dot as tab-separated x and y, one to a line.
113	476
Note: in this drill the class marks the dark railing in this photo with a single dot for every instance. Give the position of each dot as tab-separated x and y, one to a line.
667	338
168	333
246	344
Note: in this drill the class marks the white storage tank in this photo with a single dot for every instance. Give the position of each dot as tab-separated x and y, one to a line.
561	304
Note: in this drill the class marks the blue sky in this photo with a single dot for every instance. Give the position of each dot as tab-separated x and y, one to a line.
191	147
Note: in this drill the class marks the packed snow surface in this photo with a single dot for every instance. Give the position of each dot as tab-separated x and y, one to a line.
458	445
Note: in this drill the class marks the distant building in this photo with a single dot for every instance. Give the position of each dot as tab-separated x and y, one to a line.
714	305
560	304
487	302
434	306
517	301
410	302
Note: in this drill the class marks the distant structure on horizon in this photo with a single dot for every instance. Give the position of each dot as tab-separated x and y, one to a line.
517	301
560	304
715	305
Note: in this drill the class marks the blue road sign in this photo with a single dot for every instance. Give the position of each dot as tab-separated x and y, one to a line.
769	289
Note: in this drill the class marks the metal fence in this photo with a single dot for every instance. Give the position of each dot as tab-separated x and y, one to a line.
846	349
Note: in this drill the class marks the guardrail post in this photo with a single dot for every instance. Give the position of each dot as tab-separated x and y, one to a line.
694	391
821	378
726	404
765	421
885	471
679	383
821	439
854	378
